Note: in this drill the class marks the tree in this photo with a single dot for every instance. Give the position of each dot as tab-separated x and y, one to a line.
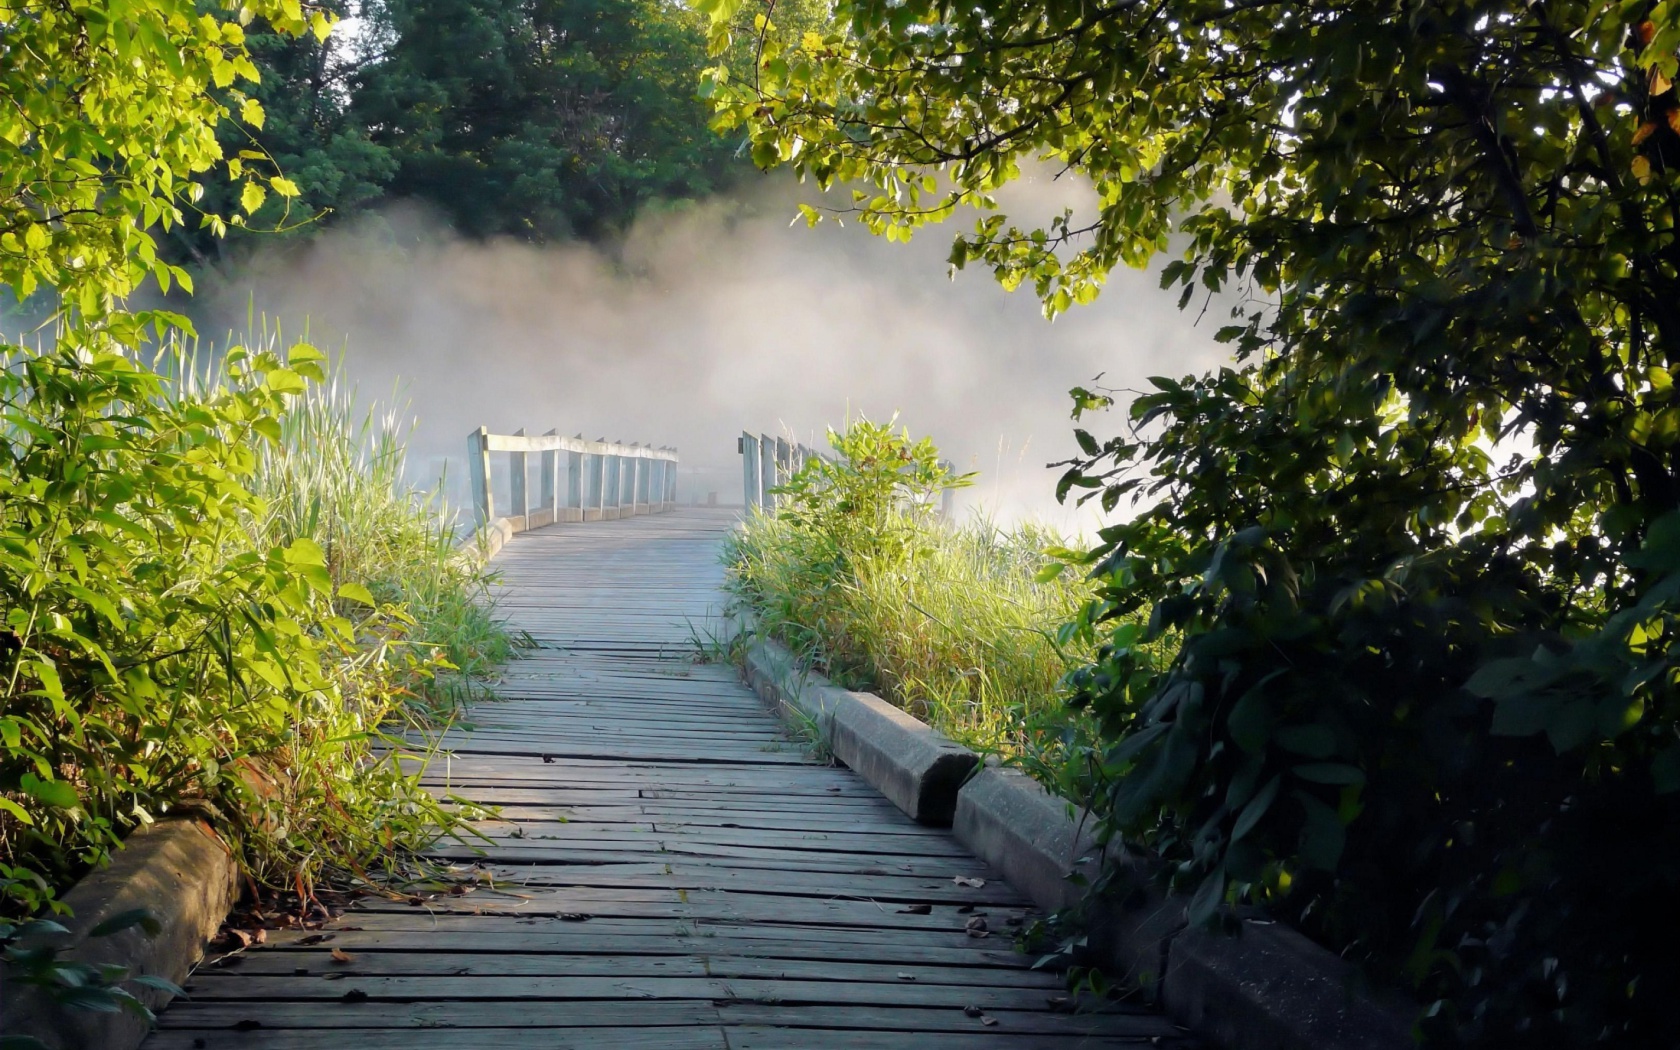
542	119
307	133
1420	551
108	131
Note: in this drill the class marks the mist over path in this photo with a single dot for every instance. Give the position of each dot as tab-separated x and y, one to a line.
713	319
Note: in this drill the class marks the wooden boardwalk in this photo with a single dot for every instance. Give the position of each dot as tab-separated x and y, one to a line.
671	871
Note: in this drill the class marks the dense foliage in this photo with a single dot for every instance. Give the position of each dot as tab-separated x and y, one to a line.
858	575
542	121
173	631
169	637
1422	545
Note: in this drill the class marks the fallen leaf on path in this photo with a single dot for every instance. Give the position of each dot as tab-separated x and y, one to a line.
973	1011
907	977
988	1021
339	955
916	909
574	916
314	938
964	880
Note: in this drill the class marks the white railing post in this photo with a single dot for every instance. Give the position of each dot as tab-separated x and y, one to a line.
600	486
517	469
747	445
574	485
478	466
766	471
550	488
784	461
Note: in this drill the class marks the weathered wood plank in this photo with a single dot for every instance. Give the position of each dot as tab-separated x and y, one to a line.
669	869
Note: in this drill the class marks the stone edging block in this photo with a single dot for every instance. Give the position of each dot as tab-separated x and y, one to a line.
180	871
905	759
1049	853
914	765
1270	988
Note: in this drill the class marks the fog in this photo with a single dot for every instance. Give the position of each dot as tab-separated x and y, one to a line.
710	320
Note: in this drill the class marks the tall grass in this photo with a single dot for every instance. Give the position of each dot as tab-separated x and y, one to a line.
961	626
337	476
216	586
954	626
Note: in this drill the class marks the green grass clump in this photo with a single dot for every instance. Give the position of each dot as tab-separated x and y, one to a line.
337	476
216	586
958	624
956	628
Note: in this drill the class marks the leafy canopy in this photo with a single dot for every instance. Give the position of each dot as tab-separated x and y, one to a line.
1420	547
109	127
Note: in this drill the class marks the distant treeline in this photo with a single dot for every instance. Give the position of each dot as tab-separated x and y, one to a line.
539	119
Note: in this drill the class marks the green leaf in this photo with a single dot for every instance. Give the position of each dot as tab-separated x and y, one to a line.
140	917
1329	773
1255	809
1315	740
55	793
251	197
356	593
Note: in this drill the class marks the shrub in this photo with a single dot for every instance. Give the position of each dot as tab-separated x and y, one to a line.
166	639
953	624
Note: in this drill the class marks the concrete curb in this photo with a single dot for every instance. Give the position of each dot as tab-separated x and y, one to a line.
1269	988
180	871
905	759
484	544
1049	852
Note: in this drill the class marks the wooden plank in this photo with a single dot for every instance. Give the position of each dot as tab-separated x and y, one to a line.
669	870
318	962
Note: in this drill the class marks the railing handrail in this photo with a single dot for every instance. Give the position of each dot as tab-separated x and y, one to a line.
580	480
562	443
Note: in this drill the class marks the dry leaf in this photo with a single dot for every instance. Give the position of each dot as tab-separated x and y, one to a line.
1644	131
241	936
916	909
907	977
1642	170
339	955
973	1011
260	937
964	880
314	938
988	1021
574	916
1674	120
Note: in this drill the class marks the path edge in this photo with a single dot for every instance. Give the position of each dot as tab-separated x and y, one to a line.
180	871
1266	988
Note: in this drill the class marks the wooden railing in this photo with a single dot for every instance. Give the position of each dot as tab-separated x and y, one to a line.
767	462
601	480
